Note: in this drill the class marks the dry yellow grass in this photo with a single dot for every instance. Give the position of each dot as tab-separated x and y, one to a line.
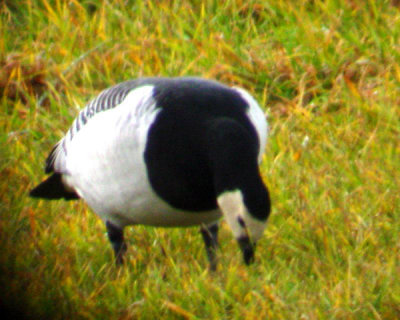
327	73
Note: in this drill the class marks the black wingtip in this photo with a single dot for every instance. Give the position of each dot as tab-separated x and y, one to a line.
50	160
52	188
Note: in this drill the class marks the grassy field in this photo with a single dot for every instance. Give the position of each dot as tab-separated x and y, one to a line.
327	74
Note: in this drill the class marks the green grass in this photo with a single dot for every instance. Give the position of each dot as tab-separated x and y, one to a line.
327	74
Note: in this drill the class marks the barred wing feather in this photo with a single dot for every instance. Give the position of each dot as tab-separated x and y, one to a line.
107	99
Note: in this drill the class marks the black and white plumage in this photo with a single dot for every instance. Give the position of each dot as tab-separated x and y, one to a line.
166	152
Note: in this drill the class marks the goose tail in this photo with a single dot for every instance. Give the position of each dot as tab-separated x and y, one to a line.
53	188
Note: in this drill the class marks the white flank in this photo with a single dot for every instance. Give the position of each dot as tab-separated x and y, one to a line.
105	165
257	118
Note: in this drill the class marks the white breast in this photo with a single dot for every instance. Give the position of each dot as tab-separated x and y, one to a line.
105	165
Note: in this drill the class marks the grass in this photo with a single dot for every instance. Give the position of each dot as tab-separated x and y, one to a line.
327	74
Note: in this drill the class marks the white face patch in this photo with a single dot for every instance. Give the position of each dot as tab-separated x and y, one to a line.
238	218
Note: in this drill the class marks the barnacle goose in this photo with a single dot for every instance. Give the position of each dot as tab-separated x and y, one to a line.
166	152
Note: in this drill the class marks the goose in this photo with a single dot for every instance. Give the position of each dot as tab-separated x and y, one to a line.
169	152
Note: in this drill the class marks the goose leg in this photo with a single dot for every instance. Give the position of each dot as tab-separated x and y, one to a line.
116	237
210	237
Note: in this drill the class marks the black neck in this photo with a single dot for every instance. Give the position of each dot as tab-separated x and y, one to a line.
233	152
